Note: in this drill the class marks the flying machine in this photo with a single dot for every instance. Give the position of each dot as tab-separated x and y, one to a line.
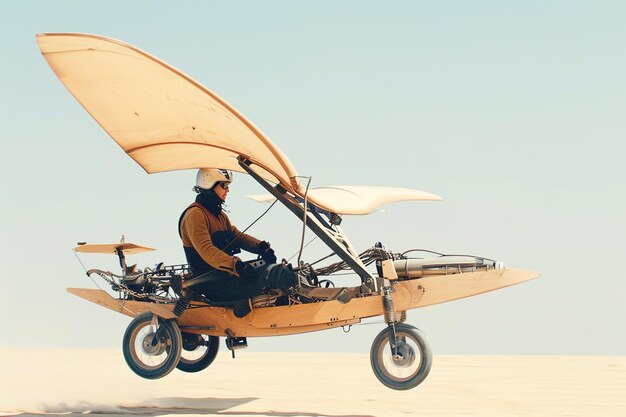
164	120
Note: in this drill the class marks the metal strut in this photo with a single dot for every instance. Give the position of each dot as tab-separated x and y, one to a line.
390	317
330	237
154	322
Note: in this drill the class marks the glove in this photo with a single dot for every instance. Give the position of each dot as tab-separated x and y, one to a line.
266	252
245	271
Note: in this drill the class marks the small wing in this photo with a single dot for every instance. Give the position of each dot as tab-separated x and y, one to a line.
111	248
357	199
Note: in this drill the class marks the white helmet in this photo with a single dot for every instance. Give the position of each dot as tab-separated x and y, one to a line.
208	177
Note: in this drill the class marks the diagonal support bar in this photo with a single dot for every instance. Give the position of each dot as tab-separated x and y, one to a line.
325	235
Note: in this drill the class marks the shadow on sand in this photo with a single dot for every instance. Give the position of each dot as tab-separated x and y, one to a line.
174	405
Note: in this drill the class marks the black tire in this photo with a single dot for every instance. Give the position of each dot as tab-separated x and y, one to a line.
199	351
144	359
412	364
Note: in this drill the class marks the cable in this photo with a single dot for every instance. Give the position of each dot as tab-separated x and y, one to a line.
79	260
443	254
306	194
422	250
310	241
367	257
321	259
249	226
86	272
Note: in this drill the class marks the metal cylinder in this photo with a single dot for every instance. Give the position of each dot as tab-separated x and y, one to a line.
442	265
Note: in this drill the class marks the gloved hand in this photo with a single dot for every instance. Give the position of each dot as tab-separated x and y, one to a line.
245	271
266	252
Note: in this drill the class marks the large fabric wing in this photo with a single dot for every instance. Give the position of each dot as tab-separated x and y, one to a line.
161	118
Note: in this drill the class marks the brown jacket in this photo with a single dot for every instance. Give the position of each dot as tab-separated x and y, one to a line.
196	228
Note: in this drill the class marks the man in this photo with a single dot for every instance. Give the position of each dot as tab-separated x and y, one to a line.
210	242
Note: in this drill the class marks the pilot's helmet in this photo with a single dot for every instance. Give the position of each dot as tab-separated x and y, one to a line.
208	177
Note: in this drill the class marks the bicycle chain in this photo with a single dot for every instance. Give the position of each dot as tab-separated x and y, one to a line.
123	288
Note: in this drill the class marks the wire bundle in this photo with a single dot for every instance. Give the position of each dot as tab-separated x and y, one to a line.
368	257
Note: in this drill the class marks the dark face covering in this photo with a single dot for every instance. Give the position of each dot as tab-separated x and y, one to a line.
210	201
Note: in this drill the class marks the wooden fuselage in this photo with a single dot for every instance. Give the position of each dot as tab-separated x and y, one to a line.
302	318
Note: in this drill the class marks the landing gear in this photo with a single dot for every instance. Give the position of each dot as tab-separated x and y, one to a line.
199	351
401	357
152	346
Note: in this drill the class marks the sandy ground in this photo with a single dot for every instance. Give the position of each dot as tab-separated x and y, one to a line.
311	384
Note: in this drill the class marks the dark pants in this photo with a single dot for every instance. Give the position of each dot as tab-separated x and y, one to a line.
223	287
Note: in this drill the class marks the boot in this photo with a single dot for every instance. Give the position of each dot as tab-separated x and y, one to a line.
278	277
242	309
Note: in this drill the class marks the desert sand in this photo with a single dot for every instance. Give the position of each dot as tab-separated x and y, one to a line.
311	384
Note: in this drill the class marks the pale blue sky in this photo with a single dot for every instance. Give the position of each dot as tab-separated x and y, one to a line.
513	112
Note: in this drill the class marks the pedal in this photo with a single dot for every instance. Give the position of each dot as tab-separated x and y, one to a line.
235	343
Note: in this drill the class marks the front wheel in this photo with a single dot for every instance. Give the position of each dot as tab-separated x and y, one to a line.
152	346
198	352
409	365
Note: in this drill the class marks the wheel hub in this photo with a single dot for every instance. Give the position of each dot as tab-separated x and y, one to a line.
405	355
191	341
149	348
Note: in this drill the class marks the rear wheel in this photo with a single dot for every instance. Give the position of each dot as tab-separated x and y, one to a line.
152	346
409	365
198	352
